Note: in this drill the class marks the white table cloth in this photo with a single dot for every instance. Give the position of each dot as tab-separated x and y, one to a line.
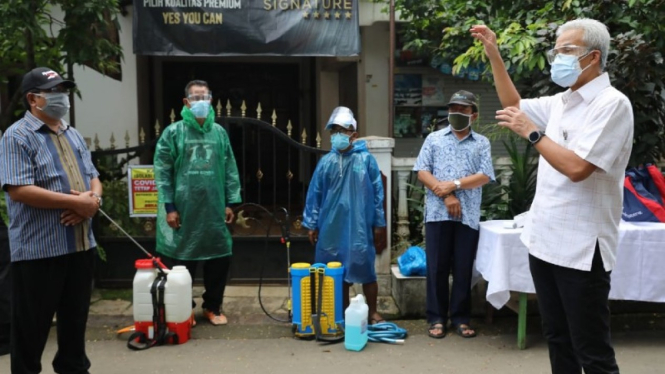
639	274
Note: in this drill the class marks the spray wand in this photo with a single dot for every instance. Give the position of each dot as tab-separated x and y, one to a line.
155	260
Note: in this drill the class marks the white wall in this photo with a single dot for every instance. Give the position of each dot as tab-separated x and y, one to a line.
374	61
370	12
328	99
107	106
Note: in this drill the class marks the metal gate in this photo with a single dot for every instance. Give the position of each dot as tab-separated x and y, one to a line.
275	163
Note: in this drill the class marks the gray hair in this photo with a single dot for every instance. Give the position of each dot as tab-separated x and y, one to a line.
595	35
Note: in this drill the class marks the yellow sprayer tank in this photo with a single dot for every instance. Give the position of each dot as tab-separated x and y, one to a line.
305	297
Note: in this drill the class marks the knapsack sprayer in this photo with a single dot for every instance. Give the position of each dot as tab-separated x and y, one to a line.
317	301
162	301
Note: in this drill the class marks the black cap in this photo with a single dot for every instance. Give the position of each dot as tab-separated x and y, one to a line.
464	98
43	79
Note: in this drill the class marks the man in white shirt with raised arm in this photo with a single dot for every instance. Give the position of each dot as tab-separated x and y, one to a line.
584	136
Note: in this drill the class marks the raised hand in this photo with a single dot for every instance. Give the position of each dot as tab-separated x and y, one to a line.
487	37
516	121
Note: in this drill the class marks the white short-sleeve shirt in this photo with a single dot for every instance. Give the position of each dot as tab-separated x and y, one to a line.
567	218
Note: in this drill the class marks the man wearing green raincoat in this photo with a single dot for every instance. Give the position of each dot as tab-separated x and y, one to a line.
197	179
344	209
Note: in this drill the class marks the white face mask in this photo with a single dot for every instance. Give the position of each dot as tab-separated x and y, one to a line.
566	69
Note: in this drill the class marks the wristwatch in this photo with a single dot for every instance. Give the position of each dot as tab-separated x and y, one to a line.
99	198
535	137
458	184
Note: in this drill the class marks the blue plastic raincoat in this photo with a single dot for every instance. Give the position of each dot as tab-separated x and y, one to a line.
344	203
195	169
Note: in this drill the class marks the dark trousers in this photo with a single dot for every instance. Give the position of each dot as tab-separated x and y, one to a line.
449	245
215	274
5	290
41	288
576	317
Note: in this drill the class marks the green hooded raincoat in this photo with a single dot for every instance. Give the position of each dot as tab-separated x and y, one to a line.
195	169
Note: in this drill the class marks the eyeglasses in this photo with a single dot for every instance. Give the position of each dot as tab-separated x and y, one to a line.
47	94
338	129
565	50
193	98
55	89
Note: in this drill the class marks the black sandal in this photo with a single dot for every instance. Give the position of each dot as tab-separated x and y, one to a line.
461	330
437	326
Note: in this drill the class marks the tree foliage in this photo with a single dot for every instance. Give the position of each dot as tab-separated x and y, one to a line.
526	30
32	36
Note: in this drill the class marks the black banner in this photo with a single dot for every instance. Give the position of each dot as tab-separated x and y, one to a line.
246	27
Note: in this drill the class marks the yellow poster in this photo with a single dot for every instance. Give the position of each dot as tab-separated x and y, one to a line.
142	191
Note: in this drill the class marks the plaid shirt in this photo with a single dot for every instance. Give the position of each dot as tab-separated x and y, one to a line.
32	154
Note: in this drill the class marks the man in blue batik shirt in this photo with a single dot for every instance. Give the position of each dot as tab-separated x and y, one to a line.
453	164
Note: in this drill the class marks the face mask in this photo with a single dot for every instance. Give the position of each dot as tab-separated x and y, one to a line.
459	121
340	141
566	69
57	104
200	109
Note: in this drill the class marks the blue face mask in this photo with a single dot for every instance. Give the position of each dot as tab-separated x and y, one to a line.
340	141
566	69
200	109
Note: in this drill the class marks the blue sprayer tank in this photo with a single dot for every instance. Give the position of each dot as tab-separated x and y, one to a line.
355	318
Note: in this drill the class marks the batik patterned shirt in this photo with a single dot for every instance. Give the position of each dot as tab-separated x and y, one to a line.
449	158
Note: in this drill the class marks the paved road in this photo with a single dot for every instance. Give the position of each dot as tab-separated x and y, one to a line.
257	348
252	343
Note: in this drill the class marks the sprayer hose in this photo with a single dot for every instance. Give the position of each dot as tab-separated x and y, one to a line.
386	332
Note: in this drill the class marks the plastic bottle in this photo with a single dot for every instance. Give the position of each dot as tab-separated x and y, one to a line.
178	303
142	299
355	333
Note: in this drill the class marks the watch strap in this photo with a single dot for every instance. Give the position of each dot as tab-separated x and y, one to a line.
99	198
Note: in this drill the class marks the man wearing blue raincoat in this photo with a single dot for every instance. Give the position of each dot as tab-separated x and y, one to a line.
344	209
197	179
